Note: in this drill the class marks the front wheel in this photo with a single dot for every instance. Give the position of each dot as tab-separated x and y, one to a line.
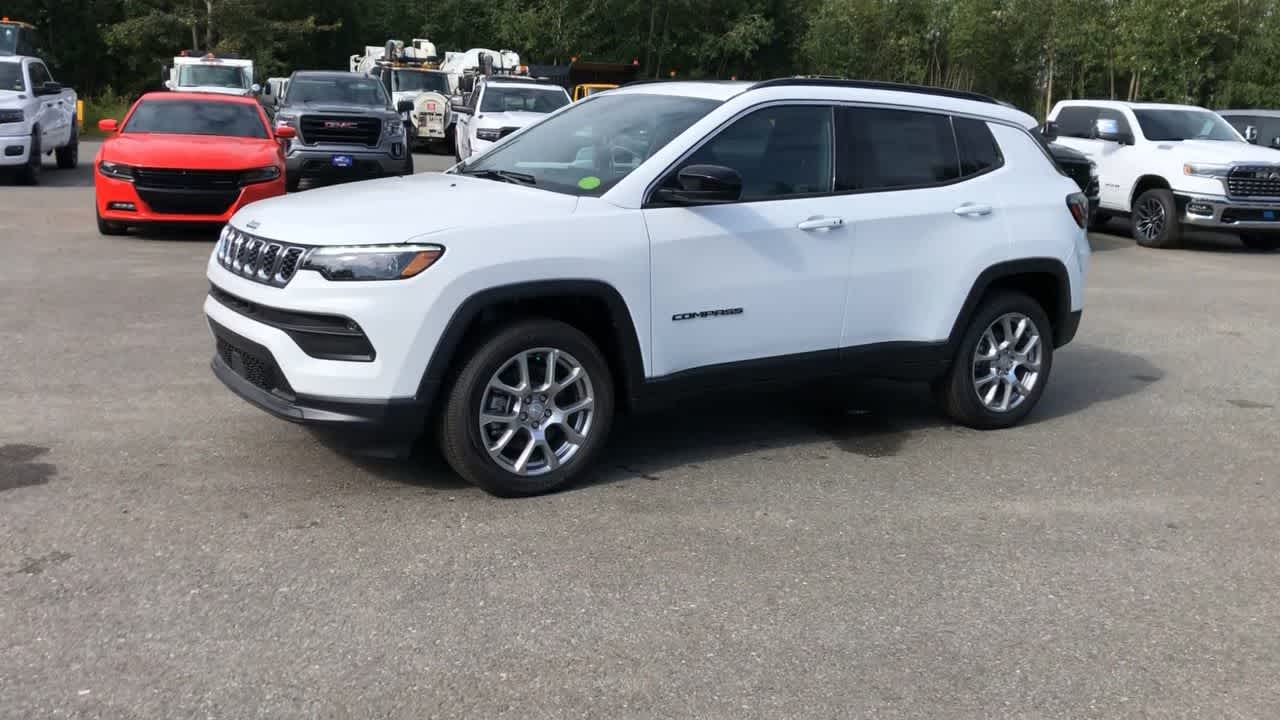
1155	220
1257	241
292	182
530	409
1001	367
106	227
30	173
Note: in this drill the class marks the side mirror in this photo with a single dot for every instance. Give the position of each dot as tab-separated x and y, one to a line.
703	185
1251	134
107	125
1049	131
49	88
467	83
256	89
404	106
1275	142
1109	129
284	132
460	108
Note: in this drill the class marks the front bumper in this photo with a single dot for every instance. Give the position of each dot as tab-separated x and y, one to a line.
110	194
316	161
14	150
1223	213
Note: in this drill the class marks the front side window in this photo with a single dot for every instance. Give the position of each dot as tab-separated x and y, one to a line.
893	149
500	98
347	90
778	151
224	76
590	147
197	117
1171	125
39	75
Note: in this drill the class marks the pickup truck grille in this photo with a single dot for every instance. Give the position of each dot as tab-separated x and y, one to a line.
258	259
187	192
1254	181
339	130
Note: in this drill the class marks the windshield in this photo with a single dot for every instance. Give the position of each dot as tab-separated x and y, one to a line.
591	146
227	76
197	117
11	76
1158	125
9	39
353	90
499	98
418	81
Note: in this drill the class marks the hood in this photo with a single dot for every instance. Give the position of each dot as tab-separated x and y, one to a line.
190	152
398	209
1213	151
214	90
516	118
334	108
11	98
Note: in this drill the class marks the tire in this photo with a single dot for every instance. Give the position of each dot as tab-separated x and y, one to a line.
292	183
30	173
1262	242
1099	221
69	156
1155	220
106	227
464	443
958	392
408	169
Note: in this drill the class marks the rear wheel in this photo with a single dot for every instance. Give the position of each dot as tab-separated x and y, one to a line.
1002	364
69	156
530	409
1259	241
1155	220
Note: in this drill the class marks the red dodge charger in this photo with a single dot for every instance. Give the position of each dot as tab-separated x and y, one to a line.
186	158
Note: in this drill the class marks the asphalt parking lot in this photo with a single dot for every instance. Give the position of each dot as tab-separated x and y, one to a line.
166	550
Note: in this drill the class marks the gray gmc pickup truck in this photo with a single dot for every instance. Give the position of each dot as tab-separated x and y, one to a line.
347	129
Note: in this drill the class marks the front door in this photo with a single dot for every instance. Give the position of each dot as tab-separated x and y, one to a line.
762	278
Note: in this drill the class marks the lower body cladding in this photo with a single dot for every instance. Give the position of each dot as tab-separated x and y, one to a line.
125	203
1236	215
330	370
341	163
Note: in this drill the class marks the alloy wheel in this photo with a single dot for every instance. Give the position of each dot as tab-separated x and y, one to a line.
537	412
1007	362
1150	218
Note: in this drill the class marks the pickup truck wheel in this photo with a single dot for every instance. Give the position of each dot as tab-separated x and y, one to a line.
1155	220
1001	367
69	156
1257	241
529	410
1098	222
292	183
30	173
106	227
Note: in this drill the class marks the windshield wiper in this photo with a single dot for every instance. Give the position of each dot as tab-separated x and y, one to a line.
517	178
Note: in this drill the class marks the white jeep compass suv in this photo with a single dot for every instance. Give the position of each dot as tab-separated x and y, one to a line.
653	241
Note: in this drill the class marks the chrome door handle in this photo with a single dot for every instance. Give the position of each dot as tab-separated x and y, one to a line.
821	223
972	210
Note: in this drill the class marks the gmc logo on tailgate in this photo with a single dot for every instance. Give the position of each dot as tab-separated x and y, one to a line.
339	124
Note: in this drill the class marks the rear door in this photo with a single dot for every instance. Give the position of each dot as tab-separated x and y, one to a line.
927	216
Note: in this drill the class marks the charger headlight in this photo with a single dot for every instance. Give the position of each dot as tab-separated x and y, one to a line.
116	171
371	262
258	175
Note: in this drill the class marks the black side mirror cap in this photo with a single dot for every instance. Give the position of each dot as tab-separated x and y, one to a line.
404	106
703	185
1049	131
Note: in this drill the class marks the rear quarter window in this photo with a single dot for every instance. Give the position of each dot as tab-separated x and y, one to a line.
979	151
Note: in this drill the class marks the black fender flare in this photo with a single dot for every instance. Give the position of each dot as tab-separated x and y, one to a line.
995	273
631	370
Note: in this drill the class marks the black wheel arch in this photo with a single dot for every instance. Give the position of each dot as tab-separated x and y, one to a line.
593	306
1044	279
1145	183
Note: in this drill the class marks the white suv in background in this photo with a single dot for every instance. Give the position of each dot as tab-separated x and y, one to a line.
1174	166
654	241
499	106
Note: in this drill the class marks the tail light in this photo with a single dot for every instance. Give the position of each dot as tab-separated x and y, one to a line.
1078	204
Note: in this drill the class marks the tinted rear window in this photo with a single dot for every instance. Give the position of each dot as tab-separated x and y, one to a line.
197	117
884	149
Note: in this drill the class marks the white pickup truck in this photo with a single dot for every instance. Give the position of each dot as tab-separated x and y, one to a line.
1170	167
37	118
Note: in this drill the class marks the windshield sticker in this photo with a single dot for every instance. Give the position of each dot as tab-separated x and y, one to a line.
590	182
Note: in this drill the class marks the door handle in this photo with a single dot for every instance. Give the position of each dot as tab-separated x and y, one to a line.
821	223
972	210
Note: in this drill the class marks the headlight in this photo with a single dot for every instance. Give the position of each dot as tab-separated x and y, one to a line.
11	116
1206	170
490	134
394	127
259	175
372	262
116	170
286	121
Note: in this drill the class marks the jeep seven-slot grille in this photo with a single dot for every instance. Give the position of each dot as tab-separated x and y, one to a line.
258	259
340	130
1254	181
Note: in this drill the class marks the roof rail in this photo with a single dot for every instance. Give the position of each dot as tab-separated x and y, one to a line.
825	81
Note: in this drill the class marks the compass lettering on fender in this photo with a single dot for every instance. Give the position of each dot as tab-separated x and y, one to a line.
706	314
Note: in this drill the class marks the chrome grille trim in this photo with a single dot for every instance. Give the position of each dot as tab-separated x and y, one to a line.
258	259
